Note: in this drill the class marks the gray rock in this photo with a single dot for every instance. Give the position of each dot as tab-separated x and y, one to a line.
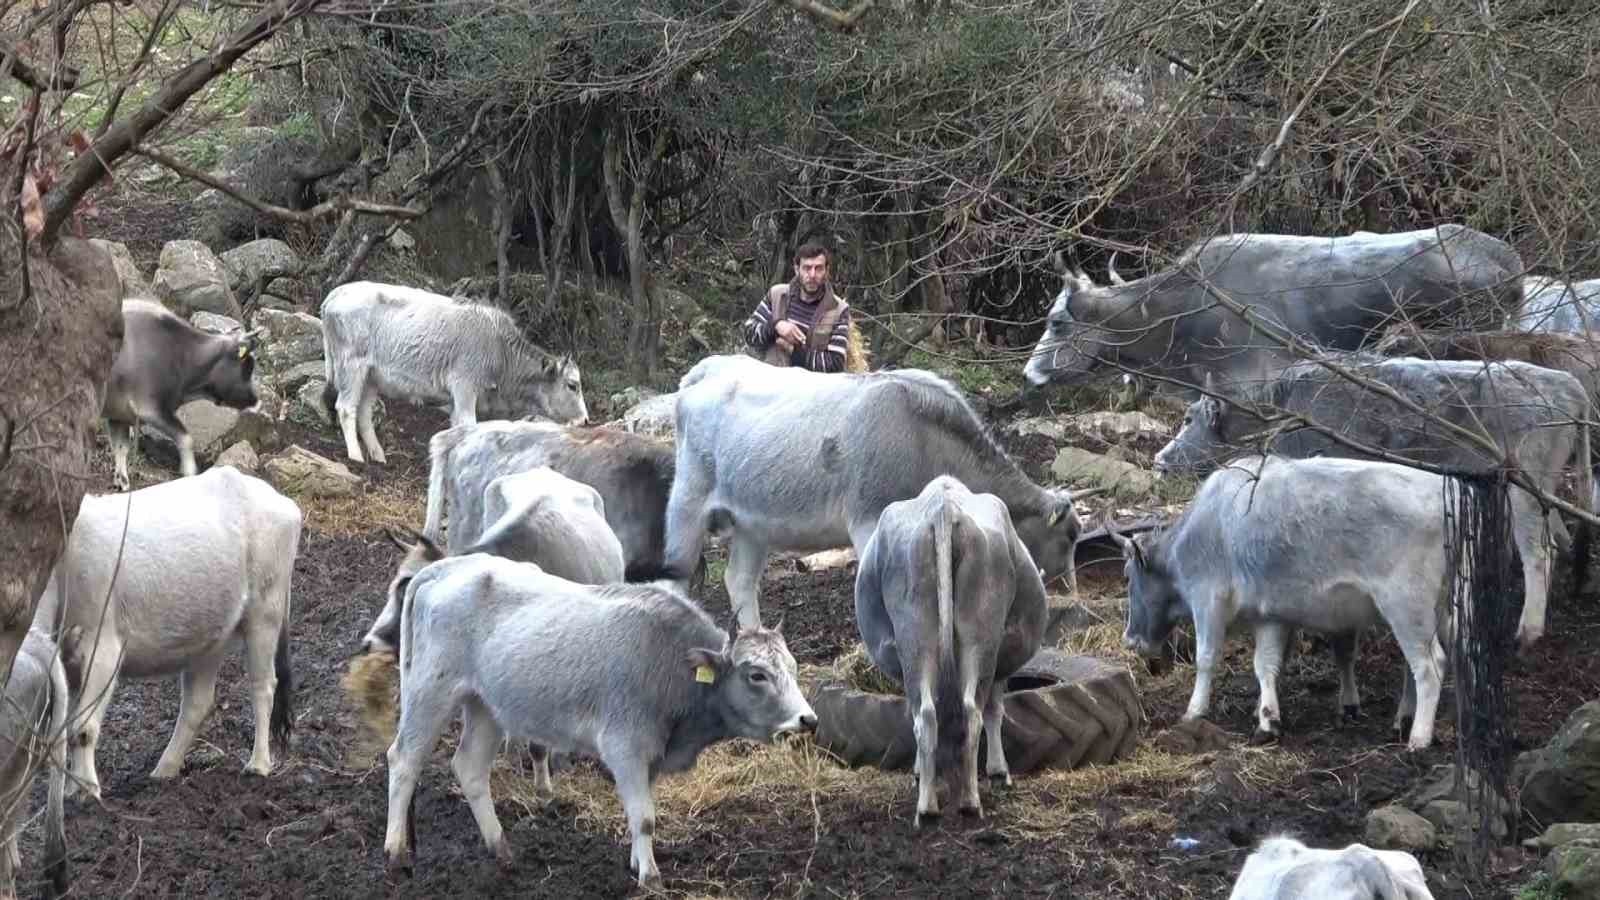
241	456
191	279
1084	469
1394	827
134	285
308	408
288	339
1455	819
244	262
1561	783
1117	426
655	417
300	473
290	380
213	428
1048	427
1574	871
215	324
1566	833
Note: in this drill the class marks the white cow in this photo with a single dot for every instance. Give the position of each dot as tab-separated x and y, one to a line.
1283	868
33	737
161	581
407	343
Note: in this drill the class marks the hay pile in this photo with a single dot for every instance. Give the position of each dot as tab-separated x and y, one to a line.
372	683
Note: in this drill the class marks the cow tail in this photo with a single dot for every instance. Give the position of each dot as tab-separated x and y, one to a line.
330	392
55	850
283	695
952	729
440	446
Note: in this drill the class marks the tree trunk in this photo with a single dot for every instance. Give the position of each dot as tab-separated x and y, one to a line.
644	339
562	212
503	212
68	330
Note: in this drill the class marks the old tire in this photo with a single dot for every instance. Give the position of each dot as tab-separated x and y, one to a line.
1062	711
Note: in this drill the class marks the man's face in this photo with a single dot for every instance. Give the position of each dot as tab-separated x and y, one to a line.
813	271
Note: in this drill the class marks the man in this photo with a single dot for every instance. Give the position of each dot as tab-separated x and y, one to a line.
802	323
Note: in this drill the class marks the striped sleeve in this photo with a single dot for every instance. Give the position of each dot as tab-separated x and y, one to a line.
832	358
758	331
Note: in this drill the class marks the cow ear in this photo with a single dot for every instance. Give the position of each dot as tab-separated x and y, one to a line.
778	628
706	665
551	366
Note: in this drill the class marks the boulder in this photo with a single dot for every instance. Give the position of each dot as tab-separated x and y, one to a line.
1566	833
1394	827
302	474
191	279
826	559
134	285
1561	782
241	456
1574	871
655	417
288	339
212	323
308	408
290	380
1454	818
214	428
1193	737
1116	427
244	262
1042	425
1087	470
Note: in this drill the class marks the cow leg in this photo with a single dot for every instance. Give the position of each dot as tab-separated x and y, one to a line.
121	437
994	716
925	726
637	790
352	380
463	404
423	717
686	517
99	682
1426	660
480	739
972	721
1345	648
199	693
1210	635
369	436
746	558
260	644
1527	523
541	771
1271	638
173	428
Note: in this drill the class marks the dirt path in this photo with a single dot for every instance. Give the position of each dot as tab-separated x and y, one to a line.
752	822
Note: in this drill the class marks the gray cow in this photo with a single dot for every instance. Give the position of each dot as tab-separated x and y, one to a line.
949	603
636	675
1329	545
539	516
162	581
1282	868
795	460
33	736
164	363
633	474
1334	291
1558	306
1535	413
400	342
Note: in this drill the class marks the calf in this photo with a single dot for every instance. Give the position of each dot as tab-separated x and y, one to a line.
165	362
1282	868
407	343
1331	545
949	603
1537	415
538	516
33	736
161	581
636	675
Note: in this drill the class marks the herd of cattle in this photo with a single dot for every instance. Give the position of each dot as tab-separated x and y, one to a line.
558	609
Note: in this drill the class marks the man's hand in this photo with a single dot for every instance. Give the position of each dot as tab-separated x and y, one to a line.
789	331
785	345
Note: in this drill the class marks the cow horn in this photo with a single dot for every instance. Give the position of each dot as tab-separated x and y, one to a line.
1060	263
1111	268
251	334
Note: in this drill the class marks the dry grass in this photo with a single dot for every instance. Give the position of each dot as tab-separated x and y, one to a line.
397	504
854	668
371	685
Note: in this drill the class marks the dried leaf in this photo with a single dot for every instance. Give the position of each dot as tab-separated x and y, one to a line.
32	207
79	141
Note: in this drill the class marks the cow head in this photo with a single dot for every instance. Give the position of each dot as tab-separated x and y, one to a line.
1200	443
228	381
1076	342
1154	603
755	682
385	635
1051	535
551	388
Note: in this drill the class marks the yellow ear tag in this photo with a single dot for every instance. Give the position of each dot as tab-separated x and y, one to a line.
705	674
244	350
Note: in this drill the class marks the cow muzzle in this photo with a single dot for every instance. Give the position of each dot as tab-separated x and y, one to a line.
804	722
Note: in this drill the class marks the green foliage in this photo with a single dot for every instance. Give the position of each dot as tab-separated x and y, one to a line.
1541	887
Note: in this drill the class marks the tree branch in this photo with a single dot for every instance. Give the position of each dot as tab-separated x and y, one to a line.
62	78
323	210
844	21
122	138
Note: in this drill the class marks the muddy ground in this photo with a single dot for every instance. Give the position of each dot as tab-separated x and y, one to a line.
752	821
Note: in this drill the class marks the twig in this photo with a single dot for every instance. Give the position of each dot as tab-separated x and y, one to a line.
842	20
324	210
62	77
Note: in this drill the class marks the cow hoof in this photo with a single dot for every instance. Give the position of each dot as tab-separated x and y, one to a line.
503	854
999	780
652	884
916	821
400	863
1263	736
1352	714
972	811
261	769
165	772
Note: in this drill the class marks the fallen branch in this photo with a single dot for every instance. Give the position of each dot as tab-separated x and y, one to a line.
61	77
842	20
324	210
